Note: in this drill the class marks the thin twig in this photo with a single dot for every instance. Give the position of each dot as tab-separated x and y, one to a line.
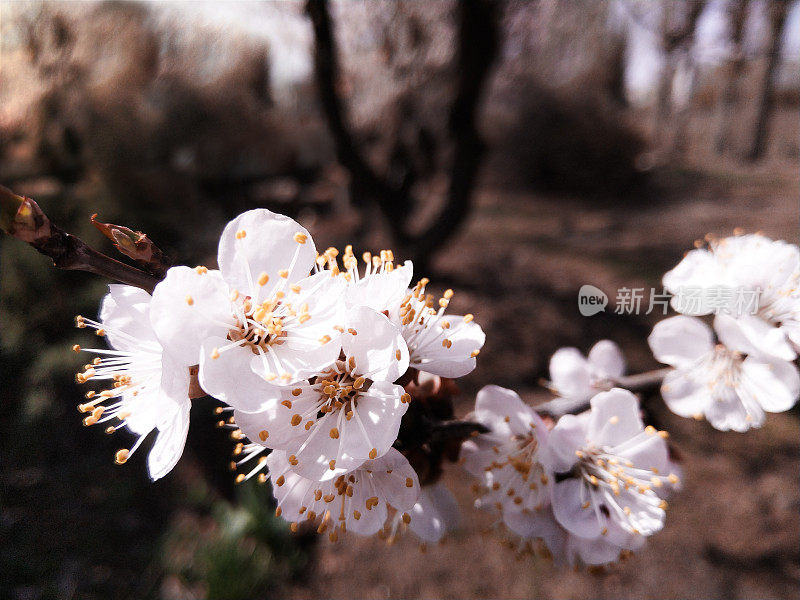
22	218
634	383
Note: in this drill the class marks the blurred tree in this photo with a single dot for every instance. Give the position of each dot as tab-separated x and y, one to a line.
478	40
678	25
776	10
736	13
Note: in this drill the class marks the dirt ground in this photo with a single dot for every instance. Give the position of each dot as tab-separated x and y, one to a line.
732	530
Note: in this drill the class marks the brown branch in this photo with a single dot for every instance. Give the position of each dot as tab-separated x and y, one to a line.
21	217
478	42
635	383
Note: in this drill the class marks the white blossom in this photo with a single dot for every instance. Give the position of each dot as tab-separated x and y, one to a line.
358	501
717	381
348	413
438	344
507	459
260	318
151	387
609	468
576	378
753	265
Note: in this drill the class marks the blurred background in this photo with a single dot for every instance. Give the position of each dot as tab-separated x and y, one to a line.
514	150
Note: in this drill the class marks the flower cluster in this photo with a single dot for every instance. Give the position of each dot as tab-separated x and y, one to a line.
743	368
310	351
317	358
588	488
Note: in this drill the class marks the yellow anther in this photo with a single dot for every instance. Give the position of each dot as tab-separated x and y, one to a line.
263	435
296	419
121	456
474	353
324	339
334	433
358	383
352	331
332	465
398	354
295	288
76	348
468	318
240	478
446	343
405	398
373	453
300	238
263	279
201	270
283	273
614	420
409	482
215	354
241	234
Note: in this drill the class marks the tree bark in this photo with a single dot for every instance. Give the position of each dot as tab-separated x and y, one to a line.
478	41
737	12
766	100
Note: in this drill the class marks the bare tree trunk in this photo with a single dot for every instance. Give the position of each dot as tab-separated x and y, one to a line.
766	101
737	11
676	43
478	43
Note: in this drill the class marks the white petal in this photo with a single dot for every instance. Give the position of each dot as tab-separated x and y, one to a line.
476	453
647	451
168	447
376	345
268	246
229	377
375	422
697	271
755	336
774	384
568	508
315	451
145	410
187	308
598	551
268	419
607	358
732	412
679	341
568	436
570	374
495	404
125	312
685	393
381	291
453	360
371	519
614	417
395	479
435	513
